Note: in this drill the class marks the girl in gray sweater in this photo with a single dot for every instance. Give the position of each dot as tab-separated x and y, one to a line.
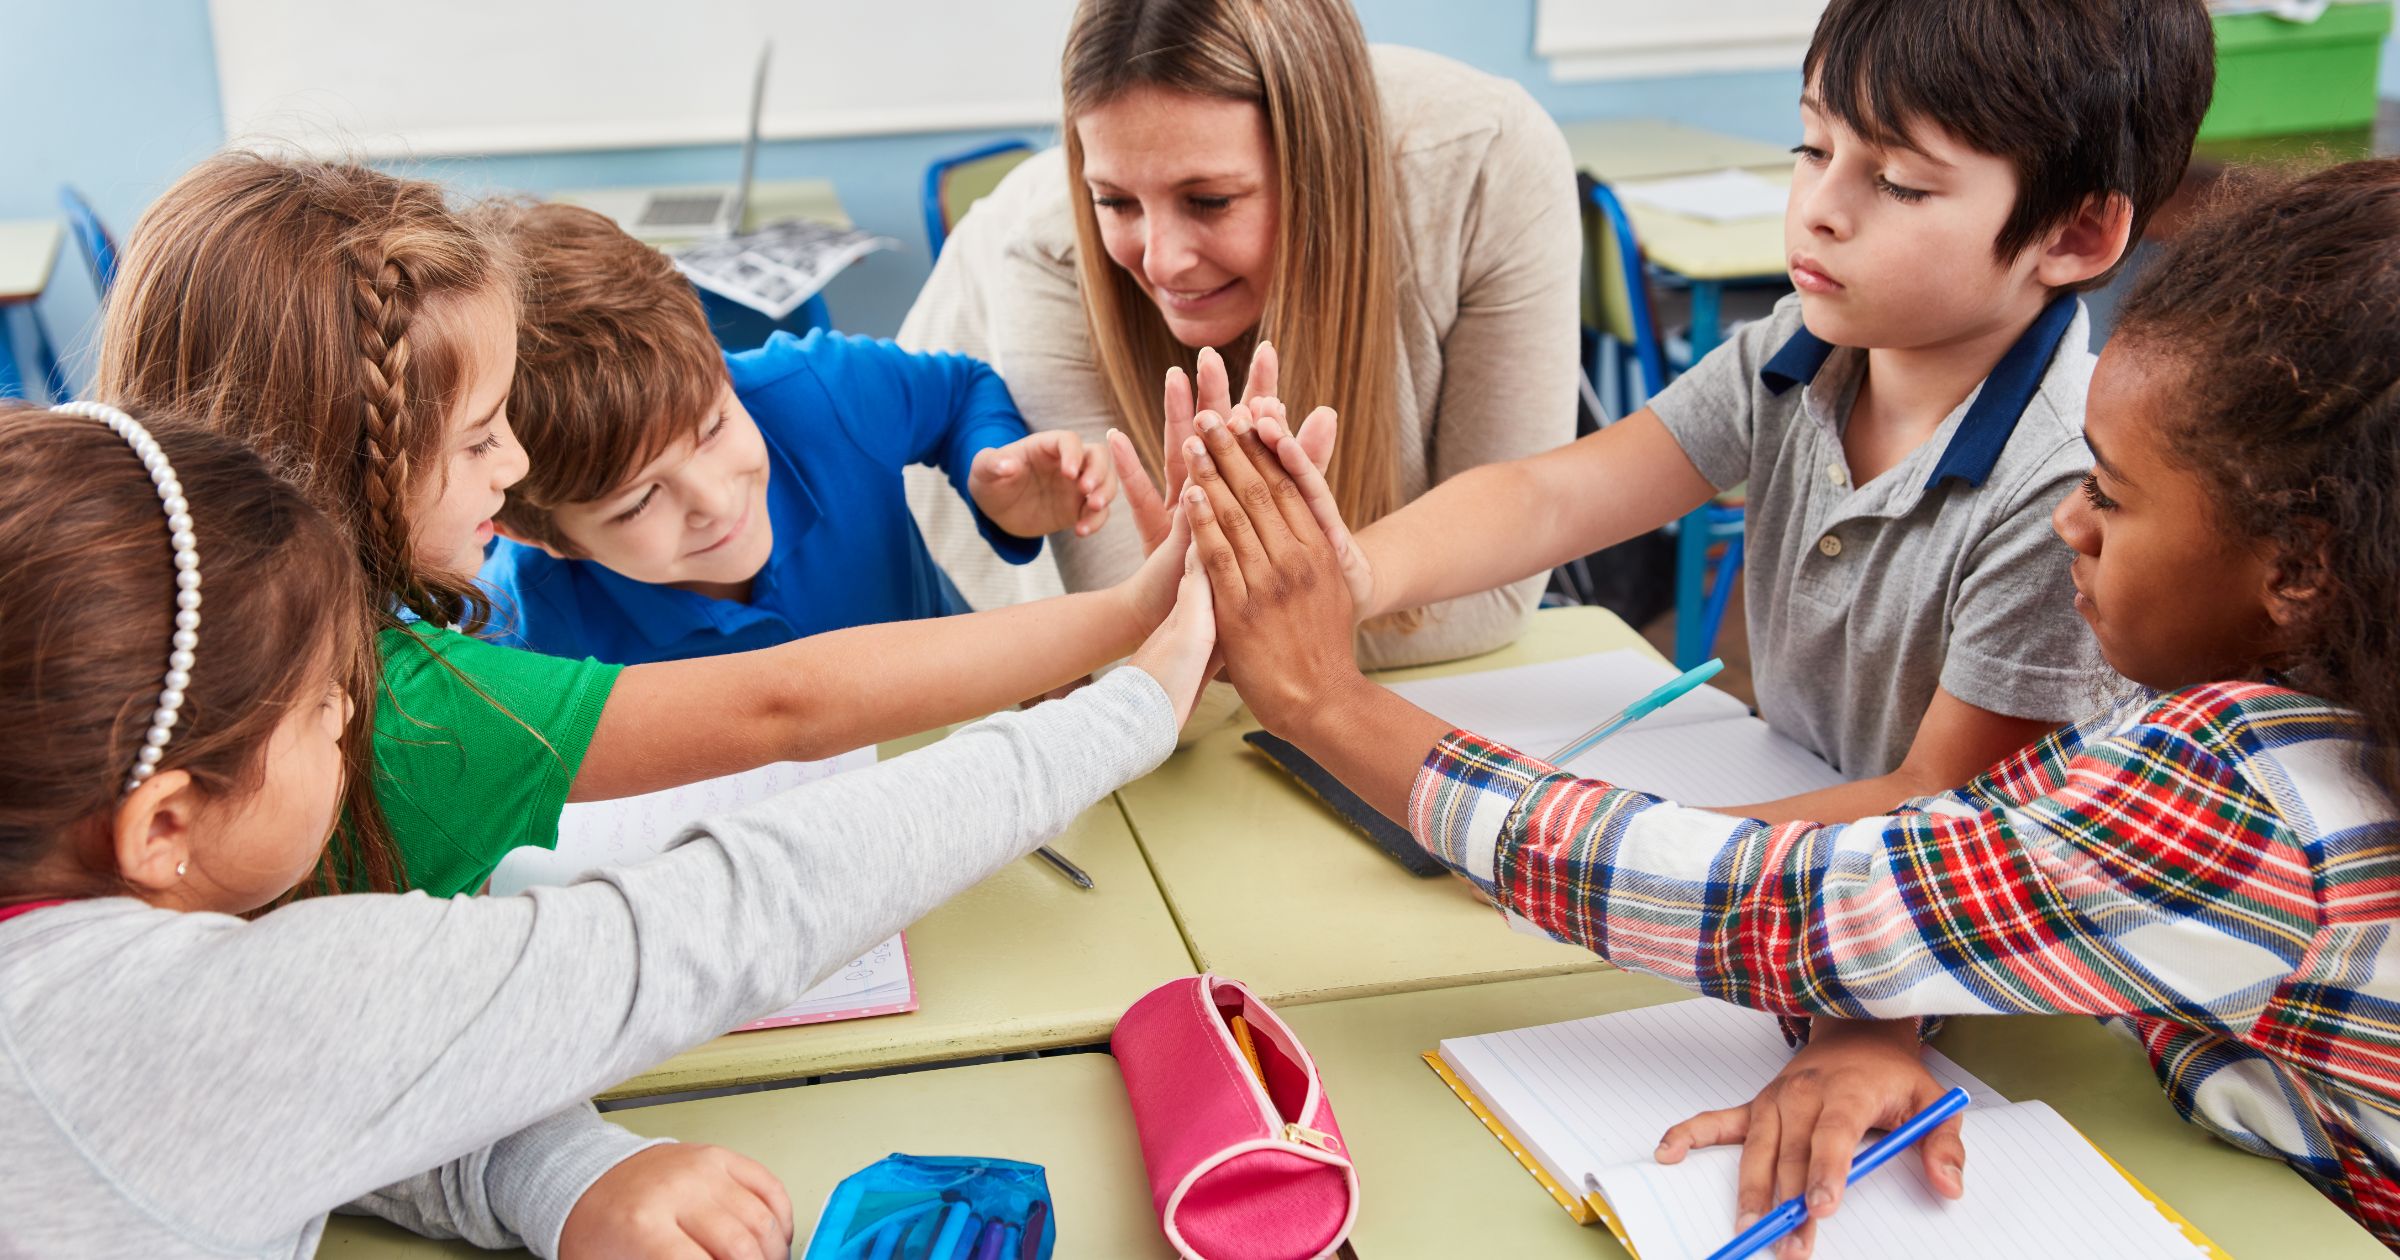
179	1080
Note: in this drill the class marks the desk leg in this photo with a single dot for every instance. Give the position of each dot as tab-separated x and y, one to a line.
1691	539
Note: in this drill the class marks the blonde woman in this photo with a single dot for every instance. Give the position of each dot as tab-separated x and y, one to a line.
1402	228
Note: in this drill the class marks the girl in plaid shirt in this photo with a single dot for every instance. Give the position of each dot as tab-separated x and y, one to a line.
2215	868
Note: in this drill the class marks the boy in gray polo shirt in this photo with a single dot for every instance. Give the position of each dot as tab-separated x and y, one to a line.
1909	418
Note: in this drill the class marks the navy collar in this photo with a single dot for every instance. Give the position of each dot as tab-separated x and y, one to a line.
1984	432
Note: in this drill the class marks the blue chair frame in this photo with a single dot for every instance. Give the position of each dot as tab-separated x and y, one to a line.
937	230
99	247
1700	600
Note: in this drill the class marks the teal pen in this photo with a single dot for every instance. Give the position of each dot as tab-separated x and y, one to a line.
1638	710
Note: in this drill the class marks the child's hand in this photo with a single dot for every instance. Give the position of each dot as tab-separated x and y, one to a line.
1798	1135
1284	615
1042	483
1179	654
1143	496
681	1199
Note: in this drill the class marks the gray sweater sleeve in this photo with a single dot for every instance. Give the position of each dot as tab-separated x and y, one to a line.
517	1192
234	1081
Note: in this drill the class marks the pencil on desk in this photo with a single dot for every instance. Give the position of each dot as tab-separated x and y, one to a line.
1065	867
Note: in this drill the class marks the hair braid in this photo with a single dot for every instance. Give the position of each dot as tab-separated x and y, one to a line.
385	305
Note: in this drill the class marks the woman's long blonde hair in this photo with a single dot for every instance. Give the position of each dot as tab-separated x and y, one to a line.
1332	307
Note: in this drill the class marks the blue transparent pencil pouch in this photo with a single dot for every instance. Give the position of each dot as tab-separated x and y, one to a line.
937	1207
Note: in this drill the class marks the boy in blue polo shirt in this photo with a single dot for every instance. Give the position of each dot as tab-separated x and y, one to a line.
683	502
1909	418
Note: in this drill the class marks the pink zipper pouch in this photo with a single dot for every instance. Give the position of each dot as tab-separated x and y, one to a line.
1244	1164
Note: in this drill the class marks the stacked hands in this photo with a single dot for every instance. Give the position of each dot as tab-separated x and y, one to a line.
1271	587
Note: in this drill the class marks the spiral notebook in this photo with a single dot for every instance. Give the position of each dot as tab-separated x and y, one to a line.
1582	1104
597	834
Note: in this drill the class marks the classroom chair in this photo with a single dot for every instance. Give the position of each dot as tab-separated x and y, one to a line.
738	328
92	236
956	182
1617	307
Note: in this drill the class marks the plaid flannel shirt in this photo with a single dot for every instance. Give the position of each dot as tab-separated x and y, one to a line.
2207	869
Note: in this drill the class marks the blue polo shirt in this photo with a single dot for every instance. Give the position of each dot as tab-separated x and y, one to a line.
842	417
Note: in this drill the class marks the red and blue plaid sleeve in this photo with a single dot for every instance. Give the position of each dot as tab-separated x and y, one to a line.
2145	877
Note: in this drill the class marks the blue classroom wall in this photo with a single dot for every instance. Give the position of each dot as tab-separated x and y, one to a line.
119	96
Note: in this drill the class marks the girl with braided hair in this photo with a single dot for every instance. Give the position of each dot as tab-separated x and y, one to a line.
189	1073
362	335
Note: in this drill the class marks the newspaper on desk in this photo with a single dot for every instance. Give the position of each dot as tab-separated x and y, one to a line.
779	266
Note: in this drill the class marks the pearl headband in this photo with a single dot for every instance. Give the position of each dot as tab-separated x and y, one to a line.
187	579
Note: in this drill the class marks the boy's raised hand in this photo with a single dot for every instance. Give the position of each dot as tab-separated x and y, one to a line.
1283	609
1042	483
1143	497
681	1199
1799	1134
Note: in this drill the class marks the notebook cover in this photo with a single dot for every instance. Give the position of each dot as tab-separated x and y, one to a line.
1363	818
1591	1209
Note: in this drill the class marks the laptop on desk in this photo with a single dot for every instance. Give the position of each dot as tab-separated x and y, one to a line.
678	215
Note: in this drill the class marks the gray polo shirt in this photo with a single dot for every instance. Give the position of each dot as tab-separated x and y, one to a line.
1941	572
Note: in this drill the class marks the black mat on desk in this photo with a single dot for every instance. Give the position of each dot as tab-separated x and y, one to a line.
1363	818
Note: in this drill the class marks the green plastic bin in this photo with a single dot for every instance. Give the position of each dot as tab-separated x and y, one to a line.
2276	77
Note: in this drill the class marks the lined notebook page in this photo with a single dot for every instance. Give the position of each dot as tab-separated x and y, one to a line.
1740	761
1536	709
1589	1098
1593	1093
1704	748
2035	1187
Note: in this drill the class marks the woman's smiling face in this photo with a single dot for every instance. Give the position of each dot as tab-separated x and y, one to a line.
1184	187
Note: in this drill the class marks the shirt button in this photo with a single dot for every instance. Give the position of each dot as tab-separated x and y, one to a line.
1836	474
1830	546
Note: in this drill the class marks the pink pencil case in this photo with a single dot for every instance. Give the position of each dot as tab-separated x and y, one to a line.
1240	1168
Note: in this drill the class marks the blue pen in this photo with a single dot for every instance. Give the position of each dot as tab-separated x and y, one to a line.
1638	710
1789	1214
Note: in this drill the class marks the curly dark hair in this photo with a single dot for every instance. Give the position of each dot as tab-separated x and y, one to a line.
2280	303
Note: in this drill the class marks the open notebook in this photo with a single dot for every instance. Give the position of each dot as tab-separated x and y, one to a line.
1703	749
596	834
1582	1104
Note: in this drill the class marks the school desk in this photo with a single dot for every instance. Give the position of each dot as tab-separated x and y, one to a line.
28	253
1619	151
1022	961
1066	1113
770	199
1434	1182
1275	891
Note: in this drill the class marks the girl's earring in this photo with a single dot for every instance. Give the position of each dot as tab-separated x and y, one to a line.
180	868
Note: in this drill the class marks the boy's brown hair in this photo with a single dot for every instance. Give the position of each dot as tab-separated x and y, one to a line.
615	361
2086	98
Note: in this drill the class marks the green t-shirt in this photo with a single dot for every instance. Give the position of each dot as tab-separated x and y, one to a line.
465	777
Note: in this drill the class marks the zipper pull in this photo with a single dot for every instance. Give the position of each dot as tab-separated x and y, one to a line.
1312	1137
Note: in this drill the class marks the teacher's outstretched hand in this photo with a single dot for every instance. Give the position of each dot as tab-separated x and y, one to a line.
1143	497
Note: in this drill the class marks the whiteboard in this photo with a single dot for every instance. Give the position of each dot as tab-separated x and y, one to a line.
442	77
1620	39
